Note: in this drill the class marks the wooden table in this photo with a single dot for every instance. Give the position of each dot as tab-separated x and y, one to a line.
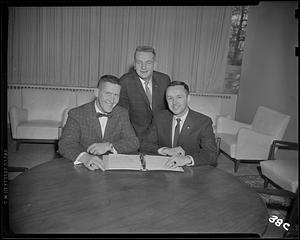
58	197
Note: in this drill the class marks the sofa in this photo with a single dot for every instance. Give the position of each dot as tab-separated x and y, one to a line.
37	113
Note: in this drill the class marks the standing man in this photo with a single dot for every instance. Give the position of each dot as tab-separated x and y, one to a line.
143	90
98	127
180	132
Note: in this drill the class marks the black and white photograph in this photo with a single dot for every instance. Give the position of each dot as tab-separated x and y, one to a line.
160	120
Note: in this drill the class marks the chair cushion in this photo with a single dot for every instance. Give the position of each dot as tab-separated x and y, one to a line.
47	104
228	143
282	172
38	129
208	105
270	122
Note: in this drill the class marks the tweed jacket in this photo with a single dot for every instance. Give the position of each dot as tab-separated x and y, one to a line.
133	98
83	129
196	137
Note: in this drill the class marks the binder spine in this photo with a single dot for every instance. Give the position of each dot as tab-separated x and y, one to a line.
143	162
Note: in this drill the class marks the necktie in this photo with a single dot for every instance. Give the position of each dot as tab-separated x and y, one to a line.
148	92
99	115
176	133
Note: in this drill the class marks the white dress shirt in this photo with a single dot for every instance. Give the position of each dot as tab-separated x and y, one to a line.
174	123
149	85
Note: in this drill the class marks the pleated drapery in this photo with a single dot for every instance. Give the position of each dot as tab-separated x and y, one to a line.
74	46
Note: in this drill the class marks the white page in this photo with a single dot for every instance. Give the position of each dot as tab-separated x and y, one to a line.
122	161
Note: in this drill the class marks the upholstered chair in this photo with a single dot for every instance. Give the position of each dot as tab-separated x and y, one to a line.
40	116
282	174
250	143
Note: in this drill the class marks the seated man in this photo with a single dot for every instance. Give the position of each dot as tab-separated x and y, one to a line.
98	127
182	133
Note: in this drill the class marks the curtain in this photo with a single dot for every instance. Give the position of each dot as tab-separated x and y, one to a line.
74	46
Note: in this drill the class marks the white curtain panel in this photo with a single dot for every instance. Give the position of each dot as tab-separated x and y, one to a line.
74	46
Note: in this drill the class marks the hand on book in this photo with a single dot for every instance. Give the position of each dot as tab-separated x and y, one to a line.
177	151
177	161
92	162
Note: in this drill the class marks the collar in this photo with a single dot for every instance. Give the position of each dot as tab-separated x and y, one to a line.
97	108
182	117
142	81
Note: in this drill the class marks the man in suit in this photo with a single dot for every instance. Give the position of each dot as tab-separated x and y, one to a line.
180	132
98	127
143	90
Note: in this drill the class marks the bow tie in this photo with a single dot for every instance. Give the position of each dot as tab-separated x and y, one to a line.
99	115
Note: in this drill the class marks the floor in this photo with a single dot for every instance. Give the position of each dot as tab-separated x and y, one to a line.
30	155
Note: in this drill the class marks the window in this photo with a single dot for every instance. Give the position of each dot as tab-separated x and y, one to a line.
236	47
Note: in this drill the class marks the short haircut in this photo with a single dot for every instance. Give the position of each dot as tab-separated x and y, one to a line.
145	49
108	78
179	83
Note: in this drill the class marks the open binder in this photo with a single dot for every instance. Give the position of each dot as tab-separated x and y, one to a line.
136	162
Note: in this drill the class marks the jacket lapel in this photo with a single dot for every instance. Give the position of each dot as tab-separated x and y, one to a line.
94	120
155	95
167	129
110	126
186	128
141	90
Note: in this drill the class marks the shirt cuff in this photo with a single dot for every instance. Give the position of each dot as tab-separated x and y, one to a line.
192	159
114	151
160	150
77	161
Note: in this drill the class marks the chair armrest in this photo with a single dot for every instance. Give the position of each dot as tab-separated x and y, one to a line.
65	116
252	145
279	144
17	116
226	125
228	116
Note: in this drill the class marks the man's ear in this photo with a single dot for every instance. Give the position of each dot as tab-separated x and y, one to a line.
155	65
96	92
188	99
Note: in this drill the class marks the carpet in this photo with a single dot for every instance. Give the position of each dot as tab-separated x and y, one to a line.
257	181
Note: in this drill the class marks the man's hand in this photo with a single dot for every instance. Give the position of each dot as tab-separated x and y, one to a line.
177	151
92	162
178	161
99	148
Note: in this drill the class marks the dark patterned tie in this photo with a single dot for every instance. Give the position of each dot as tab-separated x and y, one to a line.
176	133
99	115
148	92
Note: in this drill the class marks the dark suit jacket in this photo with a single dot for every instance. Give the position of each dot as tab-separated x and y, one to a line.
133	98
196	137
83	129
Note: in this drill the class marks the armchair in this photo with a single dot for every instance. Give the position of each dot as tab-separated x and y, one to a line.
39	117
250	143
283	175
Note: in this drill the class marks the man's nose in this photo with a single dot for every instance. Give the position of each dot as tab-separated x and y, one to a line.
110	98
143	65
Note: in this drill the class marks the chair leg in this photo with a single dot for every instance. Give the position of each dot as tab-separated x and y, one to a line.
56	146
236	165
266	183
18	145
56	152
218	141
